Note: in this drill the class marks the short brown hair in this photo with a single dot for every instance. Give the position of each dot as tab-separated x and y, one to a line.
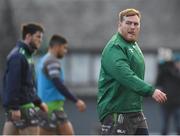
57	40
128	12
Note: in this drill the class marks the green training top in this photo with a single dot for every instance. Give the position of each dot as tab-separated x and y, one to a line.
121	85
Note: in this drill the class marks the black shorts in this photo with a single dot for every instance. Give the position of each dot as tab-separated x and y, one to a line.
28	118
124	124
52	120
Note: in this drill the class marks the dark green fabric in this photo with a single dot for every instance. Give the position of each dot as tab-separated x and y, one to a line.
121	85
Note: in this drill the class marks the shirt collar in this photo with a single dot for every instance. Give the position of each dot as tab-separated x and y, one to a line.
28	48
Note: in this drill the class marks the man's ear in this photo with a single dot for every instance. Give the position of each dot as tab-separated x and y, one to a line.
28	36
119	24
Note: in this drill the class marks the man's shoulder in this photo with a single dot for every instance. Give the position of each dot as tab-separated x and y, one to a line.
116	39
15	54
49	61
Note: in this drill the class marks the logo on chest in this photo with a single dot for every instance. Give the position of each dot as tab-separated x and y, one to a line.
131	50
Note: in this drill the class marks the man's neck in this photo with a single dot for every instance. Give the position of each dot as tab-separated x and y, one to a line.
53	52
26	42
31	49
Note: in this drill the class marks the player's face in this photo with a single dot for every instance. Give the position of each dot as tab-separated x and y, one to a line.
130	27
36	40
62	50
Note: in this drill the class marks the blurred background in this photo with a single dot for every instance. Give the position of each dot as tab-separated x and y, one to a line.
88	25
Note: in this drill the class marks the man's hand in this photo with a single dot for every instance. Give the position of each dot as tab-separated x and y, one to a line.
80	105
43	106
159	96
15	115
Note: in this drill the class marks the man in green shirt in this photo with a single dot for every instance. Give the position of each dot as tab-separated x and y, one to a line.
121	85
